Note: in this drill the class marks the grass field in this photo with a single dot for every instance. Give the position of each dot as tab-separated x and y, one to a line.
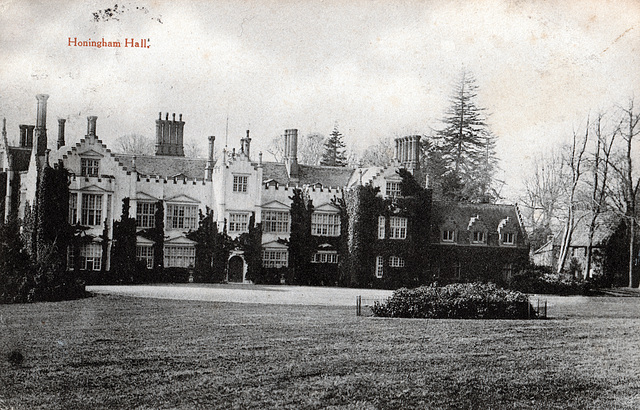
125	352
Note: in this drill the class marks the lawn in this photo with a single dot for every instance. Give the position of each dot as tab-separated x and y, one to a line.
126	352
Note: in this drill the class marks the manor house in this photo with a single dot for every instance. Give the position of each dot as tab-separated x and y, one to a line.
240	184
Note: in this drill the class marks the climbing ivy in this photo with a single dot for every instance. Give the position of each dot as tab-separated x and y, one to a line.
123	250
212	249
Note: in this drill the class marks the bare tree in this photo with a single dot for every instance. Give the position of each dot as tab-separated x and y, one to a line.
600	171
310	148
628	180
135	144
193	150
379	154
546	188
575	158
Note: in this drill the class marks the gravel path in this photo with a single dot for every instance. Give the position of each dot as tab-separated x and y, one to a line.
278	295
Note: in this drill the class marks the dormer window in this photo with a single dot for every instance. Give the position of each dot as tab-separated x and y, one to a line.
507	229
478	237
89	167
508	238
448	235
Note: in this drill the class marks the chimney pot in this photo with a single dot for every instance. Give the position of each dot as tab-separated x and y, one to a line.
174	117
91	125
180	117
61	122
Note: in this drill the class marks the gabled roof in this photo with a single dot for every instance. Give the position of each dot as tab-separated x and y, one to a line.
21	157
308	174
164	166
491	215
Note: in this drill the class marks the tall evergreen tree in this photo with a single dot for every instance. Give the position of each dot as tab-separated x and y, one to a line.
334	150
468	146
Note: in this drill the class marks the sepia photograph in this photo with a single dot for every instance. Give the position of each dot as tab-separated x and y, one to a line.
340	204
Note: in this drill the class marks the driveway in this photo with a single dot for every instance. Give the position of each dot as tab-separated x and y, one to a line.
240	293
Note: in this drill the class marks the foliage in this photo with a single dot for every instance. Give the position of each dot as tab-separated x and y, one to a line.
156	234
363	206
300	247
3	192
541	280
468	146
251	243
123	251
334	150
49	279
616	256
455	301
15	266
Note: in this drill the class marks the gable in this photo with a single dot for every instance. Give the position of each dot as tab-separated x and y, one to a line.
275	205
180	240
274	244
326	207
90	153
93	188
182	199
140	240
142	196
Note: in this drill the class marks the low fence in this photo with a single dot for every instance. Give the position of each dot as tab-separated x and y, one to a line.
537	307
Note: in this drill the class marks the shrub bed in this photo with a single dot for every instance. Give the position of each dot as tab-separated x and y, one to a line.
456	301
542	280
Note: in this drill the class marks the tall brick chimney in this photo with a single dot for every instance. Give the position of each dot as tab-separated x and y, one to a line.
169	136
41	125
245	146
291	152
61	122
91	126
209	169
407	152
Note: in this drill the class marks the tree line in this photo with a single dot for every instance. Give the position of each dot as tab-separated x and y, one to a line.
591	181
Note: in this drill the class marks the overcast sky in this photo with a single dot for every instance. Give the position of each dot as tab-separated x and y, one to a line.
378	68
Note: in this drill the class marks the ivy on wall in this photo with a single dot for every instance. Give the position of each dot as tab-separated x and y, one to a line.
156	234
299	244
3	194
123	251
251	244
51	235
212	249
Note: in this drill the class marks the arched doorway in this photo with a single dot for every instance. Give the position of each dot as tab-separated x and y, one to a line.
236	269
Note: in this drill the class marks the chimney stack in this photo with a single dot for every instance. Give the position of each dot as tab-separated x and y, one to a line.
91	125
169	136
61	122
41	125
291	152
23	135
407	152
246	145
209	170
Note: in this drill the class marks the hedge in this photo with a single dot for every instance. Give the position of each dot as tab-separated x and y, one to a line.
456	301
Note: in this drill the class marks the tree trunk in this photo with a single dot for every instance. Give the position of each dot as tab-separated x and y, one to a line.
631	234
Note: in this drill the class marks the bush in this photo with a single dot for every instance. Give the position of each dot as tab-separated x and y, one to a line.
456	301
541	280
